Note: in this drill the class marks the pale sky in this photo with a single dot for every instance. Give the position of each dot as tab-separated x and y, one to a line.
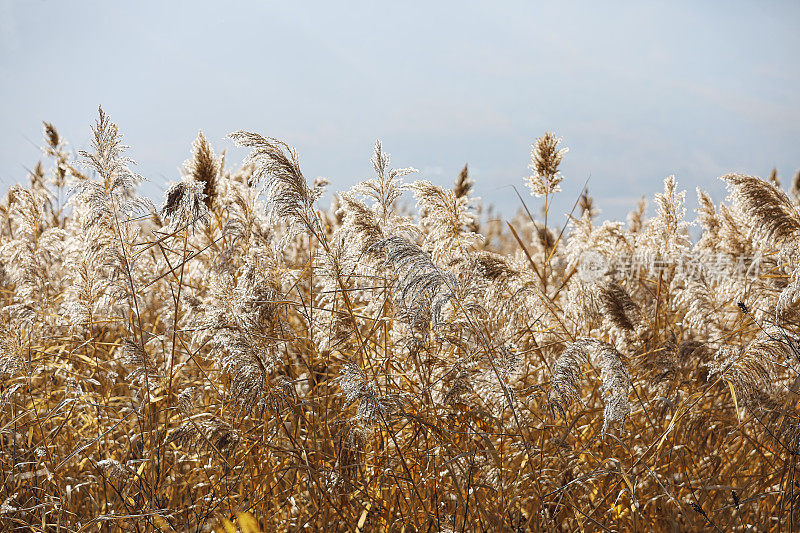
637	90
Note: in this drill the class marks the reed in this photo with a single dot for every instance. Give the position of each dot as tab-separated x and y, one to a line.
244	357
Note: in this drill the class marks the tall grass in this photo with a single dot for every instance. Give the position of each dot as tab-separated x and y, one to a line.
243	357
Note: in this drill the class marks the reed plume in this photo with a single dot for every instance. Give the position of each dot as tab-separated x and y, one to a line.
379	365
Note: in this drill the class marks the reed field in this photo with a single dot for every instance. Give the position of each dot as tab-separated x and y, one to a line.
250	356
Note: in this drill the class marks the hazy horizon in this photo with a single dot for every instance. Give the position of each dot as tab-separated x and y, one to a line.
637	91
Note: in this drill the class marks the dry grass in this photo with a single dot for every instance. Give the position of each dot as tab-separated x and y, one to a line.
244	358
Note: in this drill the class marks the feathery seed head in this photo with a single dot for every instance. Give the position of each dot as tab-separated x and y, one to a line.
545	160
184	205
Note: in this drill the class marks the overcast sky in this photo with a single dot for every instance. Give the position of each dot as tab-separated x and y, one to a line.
637	90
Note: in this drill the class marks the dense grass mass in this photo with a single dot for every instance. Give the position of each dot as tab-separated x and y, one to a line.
244	357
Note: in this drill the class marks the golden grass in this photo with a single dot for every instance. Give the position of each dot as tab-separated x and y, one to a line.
213	366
